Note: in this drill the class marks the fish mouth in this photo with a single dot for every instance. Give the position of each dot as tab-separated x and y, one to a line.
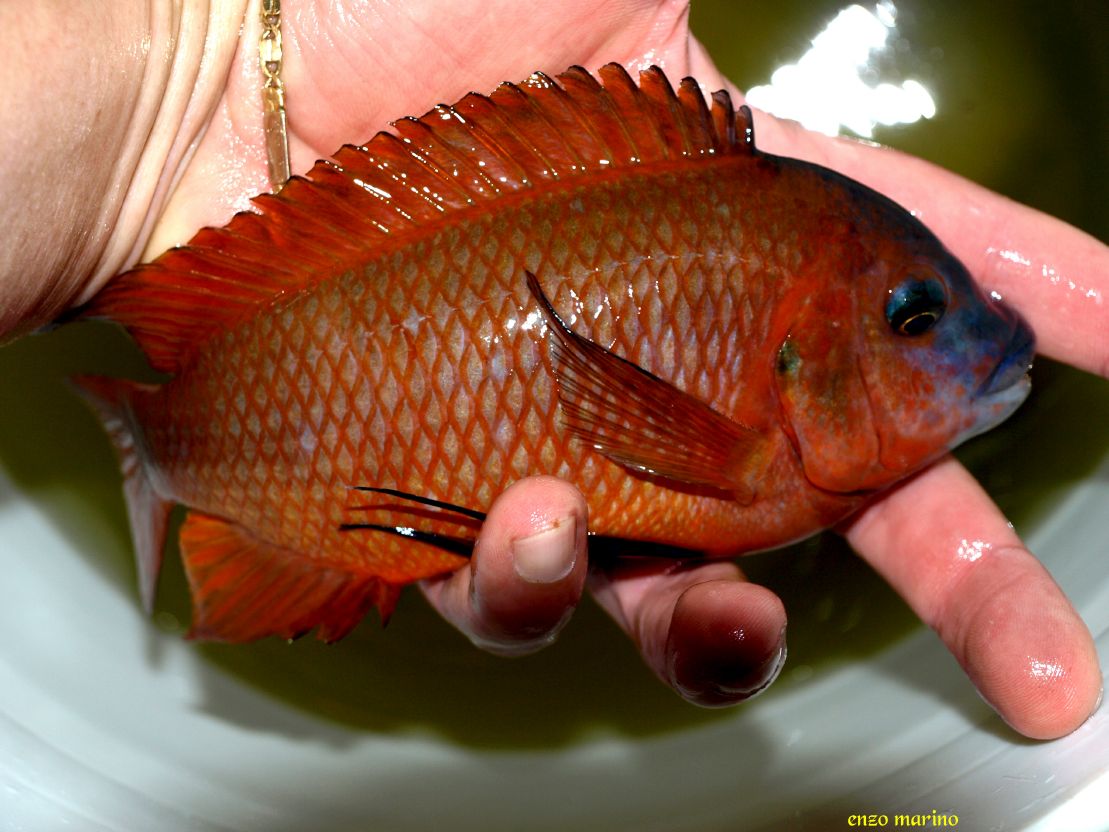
1010	375
1007	384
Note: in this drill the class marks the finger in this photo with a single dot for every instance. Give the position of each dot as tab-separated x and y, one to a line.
713	637
942	543
1053	273
527	571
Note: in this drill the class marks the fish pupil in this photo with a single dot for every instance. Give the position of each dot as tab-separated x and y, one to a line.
916	306
918	324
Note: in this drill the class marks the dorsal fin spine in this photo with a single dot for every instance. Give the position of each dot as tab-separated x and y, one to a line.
624	92
584	125
541	135
426	175
669	112
689	94
452	130
304	213
610	118
407	185
448	131
723	119
545	95
392	151
295	214
331	175
428	145
389	197
748	128
346	196
508	148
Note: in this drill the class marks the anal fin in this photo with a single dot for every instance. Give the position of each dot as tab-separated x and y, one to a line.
244	588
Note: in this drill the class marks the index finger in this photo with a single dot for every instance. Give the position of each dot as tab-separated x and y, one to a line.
949	552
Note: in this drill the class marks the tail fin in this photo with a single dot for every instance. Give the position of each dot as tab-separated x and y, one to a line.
147	510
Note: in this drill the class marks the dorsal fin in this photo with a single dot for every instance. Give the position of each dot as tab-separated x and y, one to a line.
369	200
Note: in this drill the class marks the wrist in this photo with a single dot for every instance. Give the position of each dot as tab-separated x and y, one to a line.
192	47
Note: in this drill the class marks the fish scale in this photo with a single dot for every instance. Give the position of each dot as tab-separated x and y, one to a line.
603	282
420	386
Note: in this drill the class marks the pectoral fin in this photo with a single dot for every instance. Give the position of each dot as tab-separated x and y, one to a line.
641	421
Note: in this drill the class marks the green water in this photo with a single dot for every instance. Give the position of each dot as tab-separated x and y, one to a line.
1017	96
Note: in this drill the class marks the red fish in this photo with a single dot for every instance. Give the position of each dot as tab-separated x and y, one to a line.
725	350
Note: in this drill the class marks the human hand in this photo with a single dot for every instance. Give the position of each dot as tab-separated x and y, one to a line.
938	538
705	631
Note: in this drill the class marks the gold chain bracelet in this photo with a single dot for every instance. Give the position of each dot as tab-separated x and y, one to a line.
273	95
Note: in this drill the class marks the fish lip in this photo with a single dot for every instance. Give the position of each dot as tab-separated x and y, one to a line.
1005	387
1012	370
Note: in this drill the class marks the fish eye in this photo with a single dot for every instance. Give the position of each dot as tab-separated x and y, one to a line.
915	306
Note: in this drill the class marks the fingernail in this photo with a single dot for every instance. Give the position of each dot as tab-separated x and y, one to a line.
548	556
759	678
